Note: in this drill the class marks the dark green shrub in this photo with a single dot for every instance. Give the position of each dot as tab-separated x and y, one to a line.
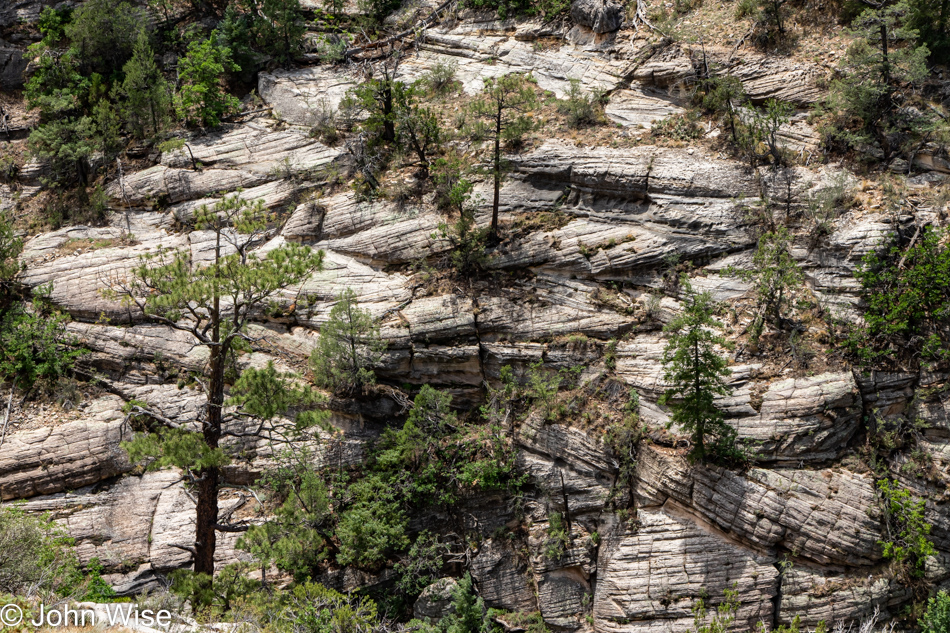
937	617
906	293
580	108
867	101
349	347
103	34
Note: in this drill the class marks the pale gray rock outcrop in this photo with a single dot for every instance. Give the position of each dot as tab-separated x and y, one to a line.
132	525
303	95
805	418
435	601
49	459
815	595
640	106
826	516
483	55
772	77
551	307
650	579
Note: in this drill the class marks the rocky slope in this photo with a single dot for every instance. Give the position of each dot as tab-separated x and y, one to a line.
798	533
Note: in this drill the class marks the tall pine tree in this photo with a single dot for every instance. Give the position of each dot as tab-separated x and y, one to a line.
144	93
696	374
213	302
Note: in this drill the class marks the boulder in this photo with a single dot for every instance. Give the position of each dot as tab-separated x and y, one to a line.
501	578
12	65
435	601
301	96
601	16
817	595
808	419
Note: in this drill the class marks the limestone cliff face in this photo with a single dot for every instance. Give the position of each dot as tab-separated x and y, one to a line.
797	533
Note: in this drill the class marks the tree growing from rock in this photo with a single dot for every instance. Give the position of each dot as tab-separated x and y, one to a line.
879	71
503	105
349	347
774	274
213	301
696	373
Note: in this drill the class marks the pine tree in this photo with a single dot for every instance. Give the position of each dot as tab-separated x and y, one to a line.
348	348
144	93
278	27
503	104
469	614
201	99
696	374
881	64
774	274
213	302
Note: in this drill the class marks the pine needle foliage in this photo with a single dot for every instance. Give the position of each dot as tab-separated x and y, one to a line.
213	301
502	109
349	347
696	373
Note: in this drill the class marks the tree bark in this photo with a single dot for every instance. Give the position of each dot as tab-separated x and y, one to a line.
493	232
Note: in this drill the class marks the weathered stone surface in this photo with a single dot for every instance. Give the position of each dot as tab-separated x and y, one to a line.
562	597
551	307
117	349
601	16
771	77
830	270
816	595
586	489
502	578
132	526
383	233
448	317
827	516
12	65
241	156
640	106
480	55
805	418
50	459
274	195
650	580
447	365
78	279
435	601
300	96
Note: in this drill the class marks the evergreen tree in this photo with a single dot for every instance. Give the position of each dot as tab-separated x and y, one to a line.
774	273
417	127
213	302
278	28
503	103
931	20
201	99
696	374
348	348
881	63
144	94
103	33
469	614
65	146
